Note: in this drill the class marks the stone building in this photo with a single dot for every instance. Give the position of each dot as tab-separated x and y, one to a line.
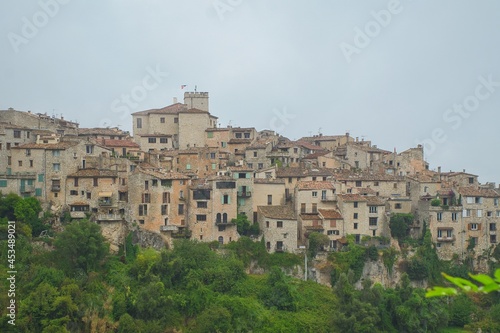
278	225
328	142
267	191
213	205
39	121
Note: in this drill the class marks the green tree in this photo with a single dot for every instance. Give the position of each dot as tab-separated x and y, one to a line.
400	225
245	227
80	246
278	292
7	205
317	241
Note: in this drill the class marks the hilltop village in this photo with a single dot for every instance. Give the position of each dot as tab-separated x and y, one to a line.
179	175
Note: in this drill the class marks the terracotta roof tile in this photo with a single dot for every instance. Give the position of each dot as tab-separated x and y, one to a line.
277	212
330	214
171	109
473	191
310	217
94	173
119	143
49	146
268	181
374	201
315	185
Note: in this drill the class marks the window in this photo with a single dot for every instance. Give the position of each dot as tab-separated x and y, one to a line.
470	200
237	135
96	181
40	177
471	180
355	226
495	201
359	183
355	216
163	140
373	209
201	218
332	232
355	204
188	166
254	154
151	140
89	149
473	226
162	120
17	134
439	216
372	221
9	160
279	224
8	145
210	135
397	206
223	144
269	199
454	217
3	183
146	185
314	194
180	209
212	156
466	213
89	195
143	210
141	221
146	198
139	122
479	200
56	167
493	226
302	208
73	192
225	199
247	135
56	153
267	224
489	213
176	120
260	165
201	204
395	185
375	184
479	213
20	163
314	208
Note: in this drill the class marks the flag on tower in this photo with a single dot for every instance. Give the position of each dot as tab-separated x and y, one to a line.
183	86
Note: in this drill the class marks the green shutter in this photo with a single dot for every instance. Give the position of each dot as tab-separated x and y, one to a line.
40	177
38	192
228	199
248	175
30	182
3	183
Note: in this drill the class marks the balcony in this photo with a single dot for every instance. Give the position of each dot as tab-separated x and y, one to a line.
27	189
105	202
169	228
373	227
182	198
77	215
222	222
446	239
329	198
56	188
18	175
244	194
280	248
109	217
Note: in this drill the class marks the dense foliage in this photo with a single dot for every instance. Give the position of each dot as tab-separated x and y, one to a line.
69	282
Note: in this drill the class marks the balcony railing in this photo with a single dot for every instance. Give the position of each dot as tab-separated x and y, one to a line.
280	248
373	227
329	198
103	202
77	215
446	239
18	175
169	228
222	222
55	188
245	194
109	217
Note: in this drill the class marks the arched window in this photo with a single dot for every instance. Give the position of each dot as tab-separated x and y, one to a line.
218	218
224	218
221	240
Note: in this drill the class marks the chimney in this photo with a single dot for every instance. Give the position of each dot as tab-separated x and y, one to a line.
439	169
175	100
357	139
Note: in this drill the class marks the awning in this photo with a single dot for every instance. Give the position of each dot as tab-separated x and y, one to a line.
105	194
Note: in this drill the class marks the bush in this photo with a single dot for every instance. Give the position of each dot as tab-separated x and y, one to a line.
436	202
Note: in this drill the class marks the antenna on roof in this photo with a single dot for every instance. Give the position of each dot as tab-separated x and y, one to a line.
363	137
319	131
195	87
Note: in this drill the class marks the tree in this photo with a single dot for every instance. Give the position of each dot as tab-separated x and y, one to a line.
245	227
317	241
278	293
27	209
80	246
7	204
400	225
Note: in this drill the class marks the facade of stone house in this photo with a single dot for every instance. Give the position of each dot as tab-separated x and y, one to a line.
213	205
333	225
39	121
267	192
329	142
278	225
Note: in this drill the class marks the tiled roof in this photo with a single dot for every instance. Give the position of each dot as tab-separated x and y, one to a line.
322	138
49	146
94	173
101	131
163	174
277	212
171	109
330	214
352	197
268	181
217	129
374	201
310	216
240	168
13	126
363	190
315	185
301	172
194	110
367	176
119	143
240	141
308	145
473	191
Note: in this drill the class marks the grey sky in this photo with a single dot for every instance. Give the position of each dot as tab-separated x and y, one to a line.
261	58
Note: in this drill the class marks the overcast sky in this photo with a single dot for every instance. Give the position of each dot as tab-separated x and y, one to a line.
395	73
